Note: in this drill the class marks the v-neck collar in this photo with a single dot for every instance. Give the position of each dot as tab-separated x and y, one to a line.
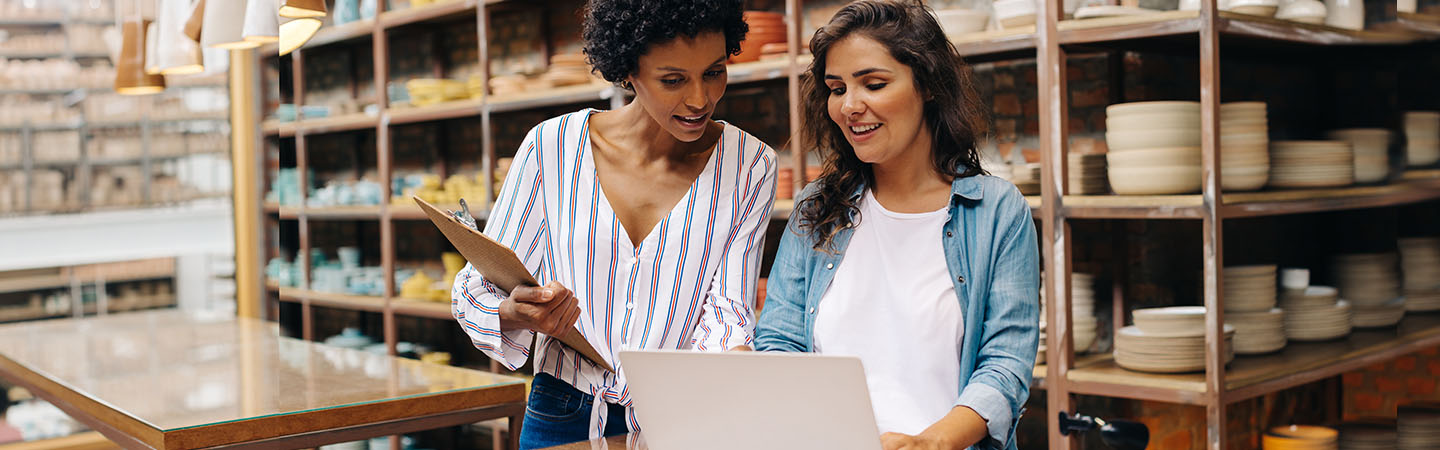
587	157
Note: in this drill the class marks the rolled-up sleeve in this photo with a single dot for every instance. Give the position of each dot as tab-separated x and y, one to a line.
518	222
1001	382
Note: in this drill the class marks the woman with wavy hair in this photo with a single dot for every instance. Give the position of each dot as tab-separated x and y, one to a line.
904	252
644	224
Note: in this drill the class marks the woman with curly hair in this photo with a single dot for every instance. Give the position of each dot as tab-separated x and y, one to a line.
644	224
904	253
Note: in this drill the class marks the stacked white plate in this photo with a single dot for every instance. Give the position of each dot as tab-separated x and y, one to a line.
1420	263
1371	283
1244	146
1422	137
1027	178
1154	147
1315	314
1311	164
1372	151
1087	174
1368	435
1249	288
1167	340
1258	332
1419	427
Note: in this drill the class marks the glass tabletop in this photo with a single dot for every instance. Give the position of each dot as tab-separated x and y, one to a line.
175	370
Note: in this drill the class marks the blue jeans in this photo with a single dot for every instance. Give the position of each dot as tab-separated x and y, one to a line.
559	414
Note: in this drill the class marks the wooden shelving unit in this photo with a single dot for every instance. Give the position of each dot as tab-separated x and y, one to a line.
1063	374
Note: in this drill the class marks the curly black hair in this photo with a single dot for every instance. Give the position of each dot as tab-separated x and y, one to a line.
617	32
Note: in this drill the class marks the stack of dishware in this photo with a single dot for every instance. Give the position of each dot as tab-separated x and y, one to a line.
1167	340
1311	164
1315	314
1419	427
1422	137
1420	264
1371	283
1250	296
1372	149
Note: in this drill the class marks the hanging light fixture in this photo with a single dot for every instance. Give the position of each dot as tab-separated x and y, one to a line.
195	18
130	76
152	48
177	53
262	24
223	24
296	9
296	33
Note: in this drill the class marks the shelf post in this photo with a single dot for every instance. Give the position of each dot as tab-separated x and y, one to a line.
1212	227
1054	129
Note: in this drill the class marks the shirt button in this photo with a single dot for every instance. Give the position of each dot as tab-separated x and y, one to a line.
812	310
829	266
949	234
960	279
629	306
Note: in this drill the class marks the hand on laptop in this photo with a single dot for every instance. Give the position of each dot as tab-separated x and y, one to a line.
551	309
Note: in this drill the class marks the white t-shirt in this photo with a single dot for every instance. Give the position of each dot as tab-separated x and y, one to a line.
892	304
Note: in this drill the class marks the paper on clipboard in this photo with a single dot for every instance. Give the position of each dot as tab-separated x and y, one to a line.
499	265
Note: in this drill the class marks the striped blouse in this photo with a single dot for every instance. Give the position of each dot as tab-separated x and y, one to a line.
689	284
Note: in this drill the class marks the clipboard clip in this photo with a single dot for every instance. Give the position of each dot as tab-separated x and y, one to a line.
464	217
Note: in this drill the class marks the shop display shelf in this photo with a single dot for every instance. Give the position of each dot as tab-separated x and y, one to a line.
289	212
994	45
584	93
411	211
1414	187
272	286
775	69
439	11
400	115
371	212
336	124
1255	31
353	31
332	300
42	282
421	308
278	129
1250	376
272	208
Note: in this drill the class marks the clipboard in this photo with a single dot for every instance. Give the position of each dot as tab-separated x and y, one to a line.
499	265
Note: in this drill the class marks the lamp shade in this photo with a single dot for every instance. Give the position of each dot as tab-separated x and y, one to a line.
152	48
222	25
296	9
296	33
196	18
262	24
176	53
130	76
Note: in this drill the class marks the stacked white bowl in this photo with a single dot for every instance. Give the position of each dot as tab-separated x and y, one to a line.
1154	147
1371	147
1422	137
1311	164
1244	146
956	22
1087	174
1250	307
1014	13
1371	283
1419	427
1026	178
1167	340
1368	435
1083	324
1420	263
1315	314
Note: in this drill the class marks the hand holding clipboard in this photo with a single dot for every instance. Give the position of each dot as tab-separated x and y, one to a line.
500	266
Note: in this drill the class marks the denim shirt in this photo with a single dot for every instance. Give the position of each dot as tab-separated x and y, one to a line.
992	252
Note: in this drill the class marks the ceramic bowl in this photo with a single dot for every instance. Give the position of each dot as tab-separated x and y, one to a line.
1155	180
1148	108
1152	157
961	21
1152	138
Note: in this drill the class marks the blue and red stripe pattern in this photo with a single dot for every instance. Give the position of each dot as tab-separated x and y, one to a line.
689	284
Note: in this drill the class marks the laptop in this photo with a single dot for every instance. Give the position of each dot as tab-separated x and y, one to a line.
687	400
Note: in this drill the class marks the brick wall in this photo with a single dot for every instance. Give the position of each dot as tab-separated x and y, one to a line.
1377	390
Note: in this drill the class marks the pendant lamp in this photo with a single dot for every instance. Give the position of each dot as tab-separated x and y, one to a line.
222	25
262	24
296	9
152	48
177	54
130	76
297	32
196	18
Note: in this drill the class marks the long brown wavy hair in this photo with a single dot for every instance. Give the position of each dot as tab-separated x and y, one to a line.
952	107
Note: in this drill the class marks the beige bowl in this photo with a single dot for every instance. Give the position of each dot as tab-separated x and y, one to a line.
1241	106
1018	21
1127	122
1153	138
1154	157
1155	180
961	21
1255	10
1147	108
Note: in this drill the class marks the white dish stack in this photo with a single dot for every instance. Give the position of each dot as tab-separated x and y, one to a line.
1419	427
1154	147
1083	324
1422	137
1087	174
1420	263
1368	435
1371	147
1311	164
1371	283
1244	146
1167	340
1250	306
1027	178
1315	314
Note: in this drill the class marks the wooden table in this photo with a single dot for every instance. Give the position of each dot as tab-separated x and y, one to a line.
173	380
632	441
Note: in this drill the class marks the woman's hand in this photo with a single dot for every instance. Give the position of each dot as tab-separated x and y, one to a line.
897	441
551	309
